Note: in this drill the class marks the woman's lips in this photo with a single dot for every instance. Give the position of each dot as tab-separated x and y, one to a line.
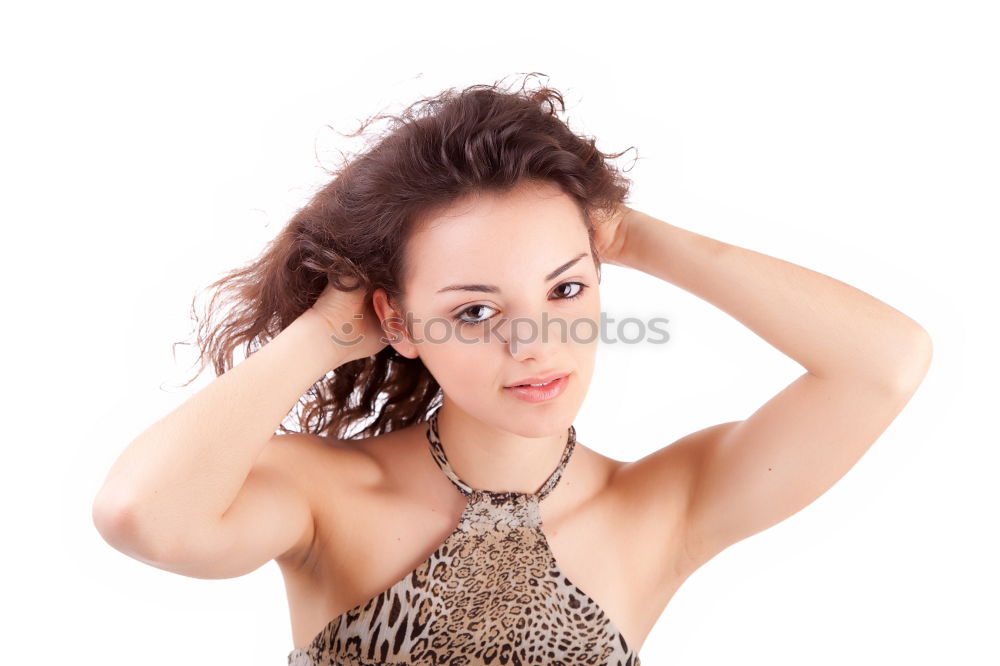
539	393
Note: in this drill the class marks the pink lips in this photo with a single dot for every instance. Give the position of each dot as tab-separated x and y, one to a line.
540	393
544	379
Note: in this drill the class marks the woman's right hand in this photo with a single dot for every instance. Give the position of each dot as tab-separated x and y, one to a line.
352	322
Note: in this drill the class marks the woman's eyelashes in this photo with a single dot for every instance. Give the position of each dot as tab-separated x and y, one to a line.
477	322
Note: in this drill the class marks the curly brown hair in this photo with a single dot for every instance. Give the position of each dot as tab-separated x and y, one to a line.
353	232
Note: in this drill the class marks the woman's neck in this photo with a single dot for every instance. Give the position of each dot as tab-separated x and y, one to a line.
490	457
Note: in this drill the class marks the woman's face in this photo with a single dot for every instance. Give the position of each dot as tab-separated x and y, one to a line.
503	288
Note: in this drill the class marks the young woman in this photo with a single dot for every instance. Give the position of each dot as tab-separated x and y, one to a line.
420	294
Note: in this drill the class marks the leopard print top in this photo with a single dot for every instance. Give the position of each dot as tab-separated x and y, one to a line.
492	593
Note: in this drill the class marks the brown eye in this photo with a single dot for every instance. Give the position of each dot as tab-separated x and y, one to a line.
459	318
577	293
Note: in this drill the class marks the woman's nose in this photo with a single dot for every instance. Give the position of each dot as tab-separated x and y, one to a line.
537	336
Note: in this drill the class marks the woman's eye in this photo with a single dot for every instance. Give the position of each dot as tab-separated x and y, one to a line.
475	322
575	294
564	297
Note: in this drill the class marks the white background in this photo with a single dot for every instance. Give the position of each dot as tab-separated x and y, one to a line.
149	148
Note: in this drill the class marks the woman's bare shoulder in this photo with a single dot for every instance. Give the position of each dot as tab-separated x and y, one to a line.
329	472
345	460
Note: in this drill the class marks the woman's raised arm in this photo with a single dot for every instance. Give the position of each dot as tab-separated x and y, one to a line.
164	499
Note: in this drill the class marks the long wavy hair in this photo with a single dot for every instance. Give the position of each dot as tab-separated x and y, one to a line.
353	233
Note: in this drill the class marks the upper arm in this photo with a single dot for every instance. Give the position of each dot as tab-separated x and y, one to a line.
271	518
748	475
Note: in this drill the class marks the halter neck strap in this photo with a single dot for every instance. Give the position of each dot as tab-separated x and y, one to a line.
437	451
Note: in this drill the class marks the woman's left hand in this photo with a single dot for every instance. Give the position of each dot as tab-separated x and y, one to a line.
610	233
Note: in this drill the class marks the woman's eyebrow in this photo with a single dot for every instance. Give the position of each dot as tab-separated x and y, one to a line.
491	289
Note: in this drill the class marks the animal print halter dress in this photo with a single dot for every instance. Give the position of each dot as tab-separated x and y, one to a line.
491	594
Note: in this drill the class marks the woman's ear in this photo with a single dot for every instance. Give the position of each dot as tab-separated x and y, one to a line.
393	323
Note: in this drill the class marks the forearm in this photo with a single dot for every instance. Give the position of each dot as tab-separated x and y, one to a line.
829	327
186	469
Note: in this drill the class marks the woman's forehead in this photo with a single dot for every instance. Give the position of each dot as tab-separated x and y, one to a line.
536	201
517	220
492	236
466	251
